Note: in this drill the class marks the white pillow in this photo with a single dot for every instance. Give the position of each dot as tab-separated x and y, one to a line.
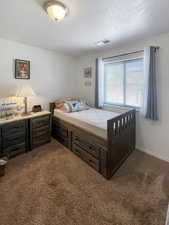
65	108
74	106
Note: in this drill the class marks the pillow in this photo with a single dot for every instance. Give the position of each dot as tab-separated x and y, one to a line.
60	102
82	106
65	108
74	106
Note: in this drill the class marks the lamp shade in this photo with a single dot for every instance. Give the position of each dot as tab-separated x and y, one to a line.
25	91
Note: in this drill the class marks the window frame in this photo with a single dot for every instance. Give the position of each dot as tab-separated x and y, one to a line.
124	82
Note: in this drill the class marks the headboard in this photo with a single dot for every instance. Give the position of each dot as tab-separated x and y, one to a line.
52	107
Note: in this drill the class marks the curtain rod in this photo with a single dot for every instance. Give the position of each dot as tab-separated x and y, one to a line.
129	53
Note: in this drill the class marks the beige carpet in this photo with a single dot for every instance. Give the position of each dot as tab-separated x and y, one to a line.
51	186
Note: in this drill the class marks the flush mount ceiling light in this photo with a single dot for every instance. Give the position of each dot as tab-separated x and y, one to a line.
56	10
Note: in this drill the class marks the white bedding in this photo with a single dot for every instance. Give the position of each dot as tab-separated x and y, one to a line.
92	120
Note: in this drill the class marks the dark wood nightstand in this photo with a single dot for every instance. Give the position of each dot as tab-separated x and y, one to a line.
40	130
24	133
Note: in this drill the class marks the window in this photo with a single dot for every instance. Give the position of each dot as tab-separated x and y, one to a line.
124	82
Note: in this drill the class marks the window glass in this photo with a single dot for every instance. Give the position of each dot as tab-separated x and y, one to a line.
124	82
114	77
134	83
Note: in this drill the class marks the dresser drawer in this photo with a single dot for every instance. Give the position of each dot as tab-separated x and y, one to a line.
86	145
39	122
41	129
13	140
40	140
15	150
15	128
92	161
40	133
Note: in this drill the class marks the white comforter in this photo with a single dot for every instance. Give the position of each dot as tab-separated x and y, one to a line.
91	119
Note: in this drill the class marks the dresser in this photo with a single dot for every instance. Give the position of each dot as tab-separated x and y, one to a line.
24	133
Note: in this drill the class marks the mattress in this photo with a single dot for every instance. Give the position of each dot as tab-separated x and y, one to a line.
92	120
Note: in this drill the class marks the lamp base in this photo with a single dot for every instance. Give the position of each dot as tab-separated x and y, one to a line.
26	105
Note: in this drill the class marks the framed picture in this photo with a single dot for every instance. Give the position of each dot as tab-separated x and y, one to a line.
22	69
88	72
88	83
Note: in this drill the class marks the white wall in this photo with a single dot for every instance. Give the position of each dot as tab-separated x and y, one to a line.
152	137
51	73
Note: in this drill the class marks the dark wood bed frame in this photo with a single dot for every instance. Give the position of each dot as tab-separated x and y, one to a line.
106	156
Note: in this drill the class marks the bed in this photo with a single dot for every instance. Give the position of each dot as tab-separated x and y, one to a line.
103	139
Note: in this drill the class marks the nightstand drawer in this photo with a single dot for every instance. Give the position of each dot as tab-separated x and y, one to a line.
40	122
40	140
14	128
36	135
15	149
13	140
40	130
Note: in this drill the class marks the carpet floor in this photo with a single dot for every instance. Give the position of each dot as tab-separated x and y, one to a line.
52	186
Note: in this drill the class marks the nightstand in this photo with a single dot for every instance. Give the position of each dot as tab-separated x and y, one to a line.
24	133
40	129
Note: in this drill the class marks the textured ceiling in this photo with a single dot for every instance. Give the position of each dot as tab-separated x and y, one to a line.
88	22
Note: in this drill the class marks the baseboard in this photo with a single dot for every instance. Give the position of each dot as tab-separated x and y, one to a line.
167	218
149	152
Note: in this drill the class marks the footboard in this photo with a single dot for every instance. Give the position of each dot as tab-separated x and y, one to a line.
121	140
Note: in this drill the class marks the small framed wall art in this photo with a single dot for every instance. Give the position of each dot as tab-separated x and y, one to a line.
22	69
88	72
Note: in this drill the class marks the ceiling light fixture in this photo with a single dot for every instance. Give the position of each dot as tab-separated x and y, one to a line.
56	10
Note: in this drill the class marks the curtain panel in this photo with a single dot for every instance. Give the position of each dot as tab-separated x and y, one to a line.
150	108
99	83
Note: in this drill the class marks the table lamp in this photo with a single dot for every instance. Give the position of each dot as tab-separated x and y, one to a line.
25	92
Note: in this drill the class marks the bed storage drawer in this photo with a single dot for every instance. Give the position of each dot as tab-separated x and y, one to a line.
87	145
86	157
60	132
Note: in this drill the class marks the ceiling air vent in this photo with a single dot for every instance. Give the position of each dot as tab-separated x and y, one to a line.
103	42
